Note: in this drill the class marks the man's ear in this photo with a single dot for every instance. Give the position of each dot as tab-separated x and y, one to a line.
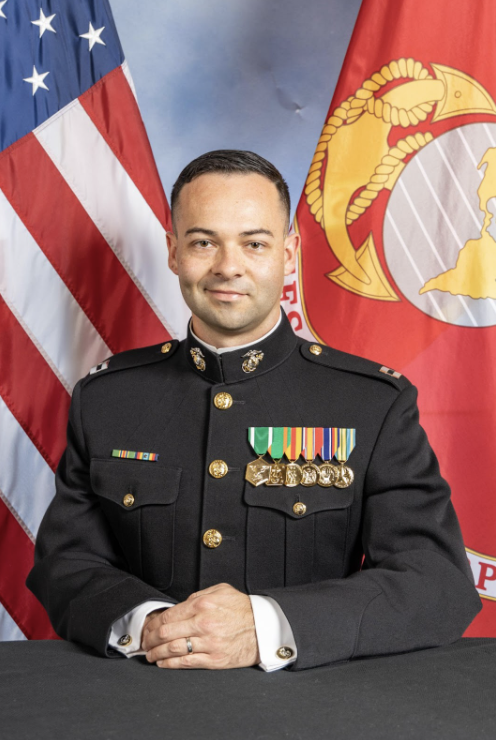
172	247
291	246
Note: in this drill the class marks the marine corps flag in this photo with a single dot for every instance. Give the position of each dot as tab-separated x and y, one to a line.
397	219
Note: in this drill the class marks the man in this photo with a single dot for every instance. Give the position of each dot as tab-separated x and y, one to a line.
168	533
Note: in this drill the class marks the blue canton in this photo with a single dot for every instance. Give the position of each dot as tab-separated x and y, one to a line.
59	47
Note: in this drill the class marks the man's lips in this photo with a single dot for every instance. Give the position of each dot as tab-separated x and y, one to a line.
225	295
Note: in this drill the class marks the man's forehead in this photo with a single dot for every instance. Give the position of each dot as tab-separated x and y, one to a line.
220	183
246	197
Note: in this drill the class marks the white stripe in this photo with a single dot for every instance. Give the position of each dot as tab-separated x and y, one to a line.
414	265
128	76
43	304
458	186
489	134
469	151
435	196
9	631
116	207
481	174
26	481
251	435
434	248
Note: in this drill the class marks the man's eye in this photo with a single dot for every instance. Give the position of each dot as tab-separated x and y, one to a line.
255	245
203	243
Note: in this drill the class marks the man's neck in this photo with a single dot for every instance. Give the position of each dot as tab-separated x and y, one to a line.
238	342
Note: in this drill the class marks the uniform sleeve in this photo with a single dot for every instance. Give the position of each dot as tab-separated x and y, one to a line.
80	575
276	645
415	589
125	634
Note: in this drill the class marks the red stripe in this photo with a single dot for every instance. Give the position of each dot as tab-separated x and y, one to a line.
16	556
31	390
112	107
76	249
319	441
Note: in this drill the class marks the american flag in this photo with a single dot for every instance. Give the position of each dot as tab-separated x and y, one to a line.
83	263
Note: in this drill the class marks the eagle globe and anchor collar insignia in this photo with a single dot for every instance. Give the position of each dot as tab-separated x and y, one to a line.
253	359
240	364
295	442
198	358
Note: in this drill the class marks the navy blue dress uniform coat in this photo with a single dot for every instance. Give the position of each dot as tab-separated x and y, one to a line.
375	568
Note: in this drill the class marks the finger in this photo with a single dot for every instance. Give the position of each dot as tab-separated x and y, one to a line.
176	649
211	590
168	632
179	612
195	660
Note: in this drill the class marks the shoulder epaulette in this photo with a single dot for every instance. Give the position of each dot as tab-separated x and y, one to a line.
134	358
323	355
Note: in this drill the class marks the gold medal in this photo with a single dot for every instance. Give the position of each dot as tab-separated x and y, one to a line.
309	471
345	446
293	445
258	472
309	474
276	451
345	476
327	475
293	475
277	474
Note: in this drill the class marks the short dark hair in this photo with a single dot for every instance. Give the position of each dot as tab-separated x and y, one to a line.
229	162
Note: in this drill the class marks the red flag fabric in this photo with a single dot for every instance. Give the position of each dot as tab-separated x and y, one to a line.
398	259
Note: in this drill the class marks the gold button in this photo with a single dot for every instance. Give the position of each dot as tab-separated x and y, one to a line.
128	499
124	640
166	348
218	469
212	538
284	653
315	349
299	508
223	401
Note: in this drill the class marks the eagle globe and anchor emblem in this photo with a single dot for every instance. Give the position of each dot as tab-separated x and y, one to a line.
438	232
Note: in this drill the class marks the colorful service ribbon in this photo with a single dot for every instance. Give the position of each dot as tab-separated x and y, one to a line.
131	455
293	442
328	442
258	438
346	444
276	442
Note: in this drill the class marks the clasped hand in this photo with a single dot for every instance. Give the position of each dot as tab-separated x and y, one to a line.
219	623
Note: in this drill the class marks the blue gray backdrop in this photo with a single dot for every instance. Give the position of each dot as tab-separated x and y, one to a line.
244	74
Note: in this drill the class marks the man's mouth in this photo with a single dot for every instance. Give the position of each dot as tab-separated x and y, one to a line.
225	295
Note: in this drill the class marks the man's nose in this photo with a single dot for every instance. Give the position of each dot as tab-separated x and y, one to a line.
228	263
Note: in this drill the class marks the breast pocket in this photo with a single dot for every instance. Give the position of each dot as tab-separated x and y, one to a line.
286	547
139	500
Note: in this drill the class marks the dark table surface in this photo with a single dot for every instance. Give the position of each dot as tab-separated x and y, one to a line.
51	690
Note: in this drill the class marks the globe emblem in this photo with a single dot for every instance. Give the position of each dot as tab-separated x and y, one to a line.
440	230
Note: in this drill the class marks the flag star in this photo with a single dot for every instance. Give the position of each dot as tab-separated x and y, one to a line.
93	36
2	3
45	23
37	80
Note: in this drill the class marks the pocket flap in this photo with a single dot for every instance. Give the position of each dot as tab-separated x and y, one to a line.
149	483
283	499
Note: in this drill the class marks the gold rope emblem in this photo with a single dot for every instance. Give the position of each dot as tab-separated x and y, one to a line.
354	148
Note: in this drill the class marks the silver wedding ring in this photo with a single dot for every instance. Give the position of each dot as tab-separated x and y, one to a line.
190	646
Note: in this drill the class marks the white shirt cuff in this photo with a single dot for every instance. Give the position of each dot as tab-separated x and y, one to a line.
276	643
125	635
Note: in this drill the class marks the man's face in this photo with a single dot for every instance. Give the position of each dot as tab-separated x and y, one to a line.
231	252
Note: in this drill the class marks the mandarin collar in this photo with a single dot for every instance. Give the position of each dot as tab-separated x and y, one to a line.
228	366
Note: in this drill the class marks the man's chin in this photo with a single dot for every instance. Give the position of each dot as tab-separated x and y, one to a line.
228	319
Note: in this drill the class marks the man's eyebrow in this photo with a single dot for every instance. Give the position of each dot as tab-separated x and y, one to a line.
200	230
209	232
253	232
